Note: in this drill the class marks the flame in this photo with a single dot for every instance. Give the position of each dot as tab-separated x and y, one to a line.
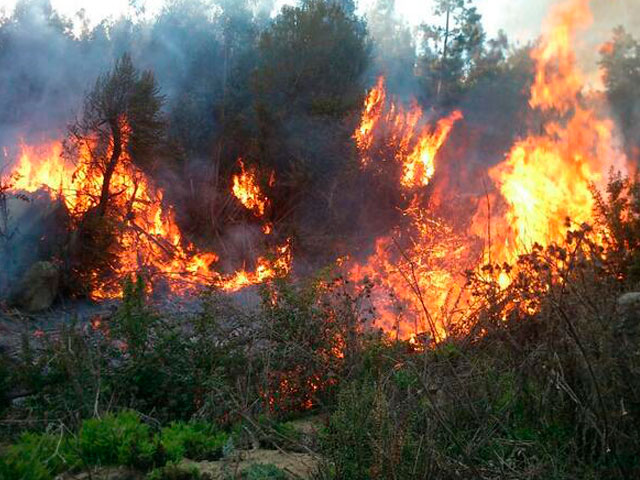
414	147
373	109
548	178
412	269
151	241
545	180
246	189
417	270
419	166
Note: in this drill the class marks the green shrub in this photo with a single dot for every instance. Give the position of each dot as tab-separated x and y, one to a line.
37	457
116	440
134	319
263	471
347	441
173	471
196	441
121	440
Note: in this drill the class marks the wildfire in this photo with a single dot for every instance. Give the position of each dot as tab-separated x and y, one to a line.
150	241
419	166
417	270
545	179
246	189
414	147
373	109
413	269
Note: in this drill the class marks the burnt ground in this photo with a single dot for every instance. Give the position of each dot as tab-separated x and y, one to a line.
14	324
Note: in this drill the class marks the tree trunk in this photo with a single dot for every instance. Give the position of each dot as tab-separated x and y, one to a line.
111	167
444	51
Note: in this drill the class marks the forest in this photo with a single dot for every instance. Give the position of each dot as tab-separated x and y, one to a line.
241	240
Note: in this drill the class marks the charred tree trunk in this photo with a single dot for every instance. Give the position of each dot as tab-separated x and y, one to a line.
111	167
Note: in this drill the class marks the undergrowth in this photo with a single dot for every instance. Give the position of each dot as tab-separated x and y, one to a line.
544	384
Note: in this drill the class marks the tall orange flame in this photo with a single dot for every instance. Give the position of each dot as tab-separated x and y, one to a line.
414	147
545	179
412	270
246	189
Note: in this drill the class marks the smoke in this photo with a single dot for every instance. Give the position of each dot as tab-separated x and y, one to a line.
43	73
523	21
46	71
205	55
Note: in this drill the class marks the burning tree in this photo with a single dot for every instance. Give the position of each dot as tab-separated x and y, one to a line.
121	112
121	123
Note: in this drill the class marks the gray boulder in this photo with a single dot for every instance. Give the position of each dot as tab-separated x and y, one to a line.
628	312
38	288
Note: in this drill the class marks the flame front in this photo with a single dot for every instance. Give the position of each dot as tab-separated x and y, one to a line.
413	270
545	180
414	146
417	270
151	241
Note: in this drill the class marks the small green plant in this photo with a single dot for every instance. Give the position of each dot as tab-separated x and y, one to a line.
37	457
173	471
263	471
196	441
134	319
117	440
121	439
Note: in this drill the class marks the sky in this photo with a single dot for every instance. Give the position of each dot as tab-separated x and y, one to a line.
521	19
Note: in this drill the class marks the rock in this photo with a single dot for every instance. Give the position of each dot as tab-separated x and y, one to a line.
38	288
628	312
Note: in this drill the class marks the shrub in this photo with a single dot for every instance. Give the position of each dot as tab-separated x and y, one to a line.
346	442
196	441
120	439
173	471
263	471
113	440
37	457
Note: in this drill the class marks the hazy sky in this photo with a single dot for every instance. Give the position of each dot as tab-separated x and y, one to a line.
497	13
521	19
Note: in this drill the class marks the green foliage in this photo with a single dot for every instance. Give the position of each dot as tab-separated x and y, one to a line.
173	471
117	440
134	320
321	319
346	441
36	457
336	41
196	441
263	471
63	372
114	440
452	50
307	89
